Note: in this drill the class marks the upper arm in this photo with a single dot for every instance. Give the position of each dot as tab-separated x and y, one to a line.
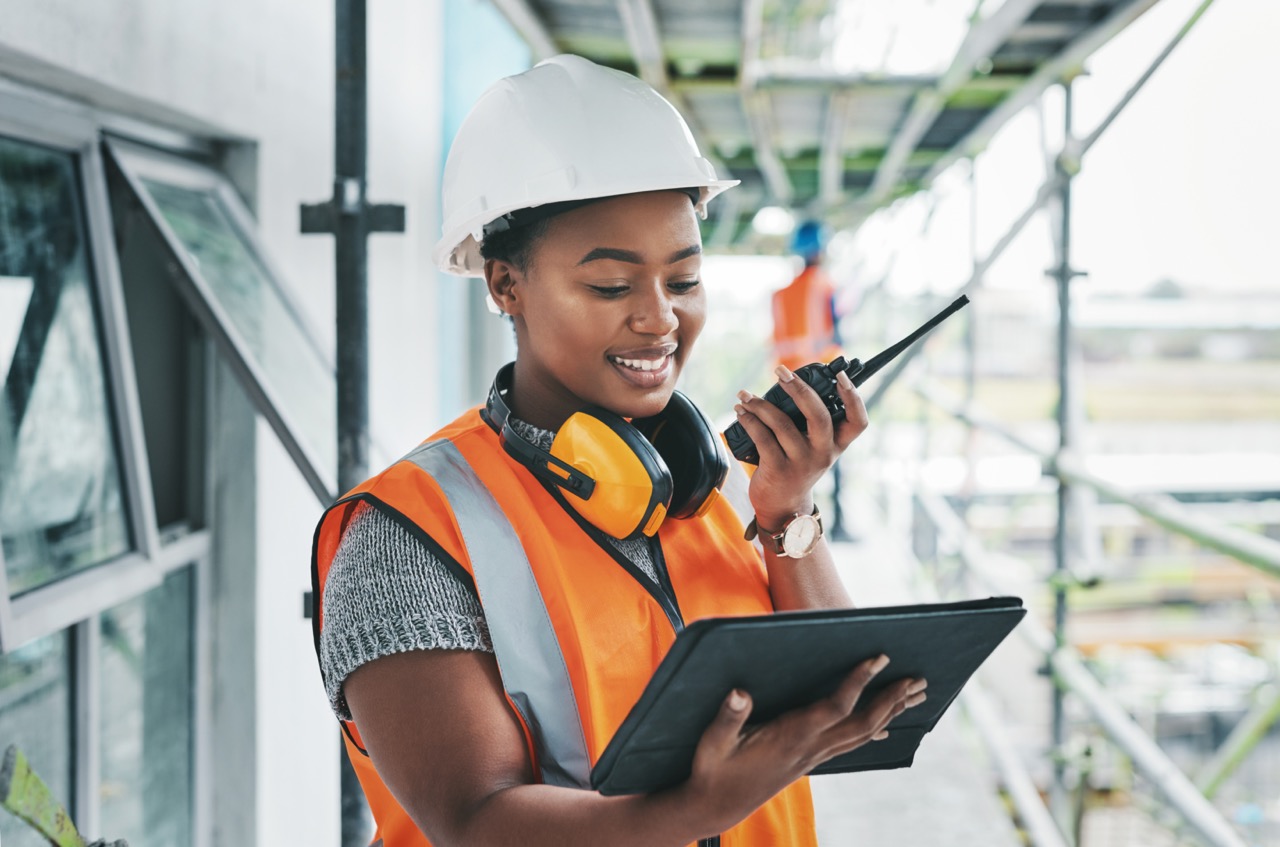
440	732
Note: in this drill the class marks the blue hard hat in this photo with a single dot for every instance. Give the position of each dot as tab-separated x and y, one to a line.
808	238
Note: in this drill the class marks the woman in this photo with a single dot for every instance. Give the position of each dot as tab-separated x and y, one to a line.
494	603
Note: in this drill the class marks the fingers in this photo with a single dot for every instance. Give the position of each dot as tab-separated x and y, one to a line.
791	442
871	723
816	416
820	430
723	735
762	434
855	412
847	695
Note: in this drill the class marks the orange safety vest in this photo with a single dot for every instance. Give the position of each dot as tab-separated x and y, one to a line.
803	323
577	632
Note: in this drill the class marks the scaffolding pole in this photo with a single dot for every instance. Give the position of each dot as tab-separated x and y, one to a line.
1066	438
351	218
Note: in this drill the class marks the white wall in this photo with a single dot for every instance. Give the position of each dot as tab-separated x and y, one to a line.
261	71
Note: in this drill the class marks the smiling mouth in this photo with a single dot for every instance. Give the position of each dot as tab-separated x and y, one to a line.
642	365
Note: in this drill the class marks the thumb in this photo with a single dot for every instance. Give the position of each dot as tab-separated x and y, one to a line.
725	731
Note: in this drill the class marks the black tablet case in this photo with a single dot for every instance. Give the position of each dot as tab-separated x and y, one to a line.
790	659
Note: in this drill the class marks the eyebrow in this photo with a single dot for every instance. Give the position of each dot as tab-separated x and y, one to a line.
634	258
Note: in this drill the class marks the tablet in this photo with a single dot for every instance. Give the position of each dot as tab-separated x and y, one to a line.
790	659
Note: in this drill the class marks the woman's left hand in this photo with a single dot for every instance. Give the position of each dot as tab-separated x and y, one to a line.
791	461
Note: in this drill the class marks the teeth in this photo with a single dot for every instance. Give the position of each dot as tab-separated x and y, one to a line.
640	364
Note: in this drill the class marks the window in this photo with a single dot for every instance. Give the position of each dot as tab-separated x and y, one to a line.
35	713
229	286
146	662
99	654
61	504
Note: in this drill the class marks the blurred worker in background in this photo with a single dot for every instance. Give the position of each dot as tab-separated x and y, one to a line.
493	604
806	327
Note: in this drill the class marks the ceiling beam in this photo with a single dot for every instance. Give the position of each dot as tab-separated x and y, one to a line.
982	40
757	106
1067	63
645	40
525	21
641	26
831	153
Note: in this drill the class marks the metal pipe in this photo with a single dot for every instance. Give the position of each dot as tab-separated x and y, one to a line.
1036	820
1257	550
1120	105
351	248
1070	673
350	217
1061	566
1065	64
982	40
1070	60
974	417
756	105
1251	729
352	305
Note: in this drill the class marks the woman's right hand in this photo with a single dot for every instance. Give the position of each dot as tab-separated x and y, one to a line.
736	769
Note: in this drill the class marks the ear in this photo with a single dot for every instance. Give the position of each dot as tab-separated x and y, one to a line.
503	280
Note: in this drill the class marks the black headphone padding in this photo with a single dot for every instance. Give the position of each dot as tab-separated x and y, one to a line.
691	448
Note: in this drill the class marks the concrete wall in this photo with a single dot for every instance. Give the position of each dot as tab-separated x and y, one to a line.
260	73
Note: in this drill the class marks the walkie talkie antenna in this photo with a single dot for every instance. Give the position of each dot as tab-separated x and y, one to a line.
878	361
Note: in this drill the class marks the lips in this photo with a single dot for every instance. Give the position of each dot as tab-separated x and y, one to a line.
646	369
640	364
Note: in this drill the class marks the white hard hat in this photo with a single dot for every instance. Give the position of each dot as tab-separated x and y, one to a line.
567	129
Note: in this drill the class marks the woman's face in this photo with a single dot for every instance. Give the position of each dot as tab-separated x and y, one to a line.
607	309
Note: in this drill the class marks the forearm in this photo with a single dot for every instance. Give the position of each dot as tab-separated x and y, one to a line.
809	583
537	815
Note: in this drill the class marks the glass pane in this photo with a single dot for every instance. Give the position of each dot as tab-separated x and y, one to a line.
147	728
298	377
35	714
60	491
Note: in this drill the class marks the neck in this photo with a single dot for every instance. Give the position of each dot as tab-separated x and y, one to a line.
538	403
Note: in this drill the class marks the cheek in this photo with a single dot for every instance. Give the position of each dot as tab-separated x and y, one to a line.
563	325
693	316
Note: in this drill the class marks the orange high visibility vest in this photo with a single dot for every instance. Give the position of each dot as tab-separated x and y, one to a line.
604	626
803	323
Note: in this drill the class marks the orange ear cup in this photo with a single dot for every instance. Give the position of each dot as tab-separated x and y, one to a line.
633	485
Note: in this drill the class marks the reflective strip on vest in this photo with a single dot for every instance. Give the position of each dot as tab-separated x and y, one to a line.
525	646
736	490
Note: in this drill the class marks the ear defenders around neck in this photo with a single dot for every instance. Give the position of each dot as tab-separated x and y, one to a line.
624	478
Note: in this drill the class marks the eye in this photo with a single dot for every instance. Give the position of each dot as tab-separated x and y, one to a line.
684	286
610	290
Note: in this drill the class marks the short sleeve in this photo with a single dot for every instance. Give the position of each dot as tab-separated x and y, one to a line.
385	593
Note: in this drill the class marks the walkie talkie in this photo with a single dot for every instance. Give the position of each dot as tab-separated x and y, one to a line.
822	379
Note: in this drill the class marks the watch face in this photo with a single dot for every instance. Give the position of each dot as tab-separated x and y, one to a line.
801	536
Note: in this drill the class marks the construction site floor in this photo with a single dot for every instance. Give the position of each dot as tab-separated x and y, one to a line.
948	797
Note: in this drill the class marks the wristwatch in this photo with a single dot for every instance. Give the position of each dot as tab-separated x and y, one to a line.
797	538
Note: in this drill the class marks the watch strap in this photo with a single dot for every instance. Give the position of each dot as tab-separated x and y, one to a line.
774	537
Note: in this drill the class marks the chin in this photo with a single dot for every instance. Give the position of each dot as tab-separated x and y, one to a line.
647	406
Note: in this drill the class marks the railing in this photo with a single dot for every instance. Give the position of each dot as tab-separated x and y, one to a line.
1188	798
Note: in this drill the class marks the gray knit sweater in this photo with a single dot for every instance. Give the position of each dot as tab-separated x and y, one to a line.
386	592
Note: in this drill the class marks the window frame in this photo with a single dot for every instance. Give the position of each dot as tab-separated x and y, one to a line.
61	604
132	162
75	602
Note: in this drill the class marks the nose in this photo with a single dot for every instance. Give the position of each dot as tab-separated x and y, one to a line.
655	312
